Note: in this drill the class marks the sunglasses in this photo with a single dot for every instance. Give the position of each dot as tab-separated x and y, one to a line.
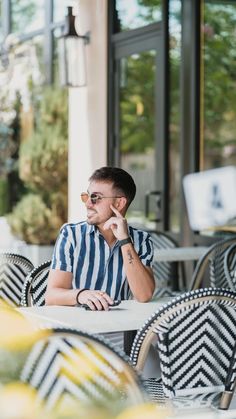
94	197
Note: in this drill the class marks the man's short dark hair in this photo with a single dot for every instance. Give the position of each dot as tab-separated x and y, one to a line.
121	180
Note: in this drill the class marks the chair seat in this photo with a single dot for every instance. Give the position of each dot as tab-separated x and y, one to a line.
154	389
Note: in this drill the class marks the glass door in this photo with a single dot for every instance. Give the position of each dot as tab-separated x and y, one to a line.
138	117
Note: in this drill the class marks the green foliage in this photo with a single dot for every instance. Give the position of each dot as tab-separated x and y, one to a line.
23	11
219	74
138	125
43	160
43	166
4	196
33	221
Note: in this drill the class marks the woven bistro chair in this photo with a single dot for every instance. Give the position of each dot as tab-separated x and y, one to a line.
83	366
166	274
230	266
33	293
196	335
213	261
14	269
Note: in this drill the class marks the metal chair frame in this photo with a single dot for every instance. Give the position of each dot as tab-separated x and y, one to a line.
214	259
35	286
230	266
14	269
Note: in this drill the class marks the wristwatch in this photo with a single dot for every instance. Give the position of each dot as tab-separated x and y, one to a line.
125	241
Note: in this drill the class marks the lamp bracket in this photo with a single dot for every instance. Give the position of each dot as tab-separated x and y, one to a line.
86	37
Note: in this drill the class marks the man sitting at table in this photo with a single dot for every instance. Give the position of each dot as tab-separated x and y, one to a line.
102	259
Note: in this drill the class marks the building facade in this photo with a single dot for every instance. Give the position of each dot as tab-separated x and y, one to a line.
159	101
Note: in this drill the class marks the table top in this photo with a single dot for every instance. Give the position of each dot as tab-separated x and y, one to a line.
179	253
129	315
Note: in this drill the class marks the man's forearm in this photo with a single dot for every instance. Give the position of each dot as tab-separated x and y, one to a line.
61	296
141	280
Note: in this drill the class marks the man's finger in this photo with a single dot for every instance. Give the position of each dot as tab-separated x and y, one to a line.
110	222
118	214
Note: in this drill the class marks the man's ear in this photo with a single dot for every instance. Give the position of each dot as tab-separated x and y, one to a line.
121	203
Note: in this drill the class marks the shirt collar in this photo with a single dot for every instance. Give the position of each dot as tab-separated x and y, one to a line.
92	229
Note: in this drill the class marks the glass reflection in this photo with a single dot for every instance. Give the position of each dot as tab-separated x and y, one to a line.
219	74
137	107
27	15
136	13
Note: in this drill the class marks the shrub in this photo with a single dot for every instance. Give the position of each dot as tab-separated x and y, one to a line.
33	221
43	166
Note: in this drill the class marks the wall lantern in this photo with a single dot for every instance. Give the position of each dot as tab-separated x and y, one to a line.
72	58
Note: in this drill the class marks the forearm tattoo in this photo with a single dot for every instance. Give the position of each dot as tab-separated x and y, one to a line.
130	257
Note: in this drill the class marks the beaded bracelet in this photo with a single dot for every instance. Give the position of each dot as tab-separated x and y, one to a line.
77	295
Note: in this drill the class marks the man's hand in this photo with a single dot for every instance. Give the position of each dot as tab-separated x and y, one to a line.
117	224
96	300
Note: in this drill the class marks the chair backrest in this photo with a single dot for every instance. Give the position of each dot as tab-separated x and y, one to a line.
230	266
166	274
196	335
33	293
14	269
213	260
84	366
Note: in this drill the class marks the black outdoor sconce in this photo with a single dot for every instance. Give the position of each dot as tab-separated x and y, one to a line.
72	58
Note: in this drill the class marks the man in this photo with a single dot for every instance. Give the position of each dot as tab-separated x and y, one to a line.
102	259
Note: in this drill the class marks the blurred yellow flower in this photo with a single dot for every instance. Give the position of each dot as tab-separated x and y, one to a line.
71	408
146	410
19	401
16	332
79	366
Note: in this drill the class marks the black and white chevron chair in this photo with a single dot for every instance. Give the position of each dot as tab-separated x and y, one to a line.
33	292
14	269
166	274
212	263
196	335
230	266
73	363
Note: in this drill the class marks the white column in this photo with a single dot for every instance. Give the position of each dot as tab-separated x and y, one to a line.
88	108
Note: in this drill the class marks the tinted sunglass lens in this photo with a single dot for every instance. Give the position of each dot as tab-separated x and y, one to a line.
94	198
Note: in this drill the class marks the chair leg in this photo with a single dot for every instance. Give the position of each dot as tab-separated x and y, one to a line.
226	397
225	400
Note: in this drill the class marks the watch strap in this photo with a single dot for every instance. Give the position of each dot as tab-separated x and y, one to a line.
125	241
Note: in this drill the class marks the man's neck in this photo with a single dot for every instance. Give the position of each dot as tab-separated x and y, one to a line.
108	236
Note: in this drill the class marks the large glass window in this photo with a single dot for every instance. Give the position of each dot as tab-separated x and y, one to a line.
174	127
27	15
137	110
219	91
134	14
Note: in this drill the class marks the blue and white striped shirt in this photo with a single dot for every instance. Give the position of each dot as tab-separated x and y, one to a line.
82	250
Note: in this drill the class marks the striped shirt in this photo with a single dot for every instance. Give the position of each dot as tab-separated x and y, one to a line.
81	249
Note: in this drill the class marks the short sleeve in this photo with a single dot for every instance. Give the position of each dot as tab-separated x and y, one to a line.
146	250
63	254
